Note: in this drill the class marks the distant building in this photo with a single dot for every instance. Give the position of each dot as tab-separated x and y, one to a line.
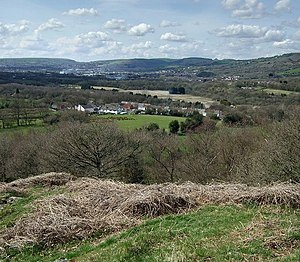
87	108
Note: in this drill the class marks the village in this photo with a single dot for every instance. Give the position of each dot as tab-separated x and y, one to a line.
126	107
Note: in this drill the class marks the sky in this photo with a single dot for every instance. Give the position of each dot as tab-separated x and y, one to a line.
90	30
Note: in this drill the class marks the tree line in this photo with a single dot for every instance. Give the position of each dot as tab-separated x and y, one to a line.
251	155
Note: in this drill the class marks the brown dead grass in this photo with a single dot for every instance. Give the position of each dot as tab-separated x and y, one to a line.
269	231
92	206
49	179
19	187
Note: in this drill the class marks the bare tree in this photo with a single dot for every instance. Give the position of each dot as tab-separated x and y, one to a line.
5	155
280	156
20	155
200	161
164	152
98	149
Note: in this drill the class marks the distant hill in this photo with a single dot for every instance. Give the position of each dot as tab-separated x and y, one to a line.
260	67
36	64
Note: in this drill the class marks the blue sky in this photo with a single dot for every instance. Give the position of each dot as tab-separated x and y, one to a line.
112	29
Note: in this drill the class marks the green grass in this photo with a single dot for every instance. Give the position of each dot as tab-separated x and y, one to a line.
131	122
213	233
291	72
24	129
279	92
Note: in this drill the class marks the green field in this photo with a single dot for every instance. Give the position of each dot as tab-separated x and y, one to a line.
279	92
291	72
131	122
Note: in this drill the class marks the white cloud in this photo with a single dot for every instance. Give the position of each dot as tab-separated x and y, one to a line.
168	49
241	31
230	4
192	48
82	12
173	37
85	45
141	29
142	45
282	5
116	24
34	43
274	35
251	31
166	23
294	23
141	49
50	25
288	45
186	49
296	36
247	9
92	39
14	29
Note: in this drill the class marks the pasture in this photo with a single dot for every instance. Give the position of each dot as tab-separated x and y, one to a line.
162	94
279	92
132	122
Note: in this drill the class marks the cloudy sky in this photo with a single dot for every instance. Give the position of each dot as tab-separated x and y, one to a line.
111	29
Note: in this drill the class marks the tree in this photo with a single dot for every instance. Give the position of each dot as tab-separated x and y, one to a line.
163	152
174	126
5	154
200	161
152	127
191	123
98	149
279	158
233	119
86	86
20	155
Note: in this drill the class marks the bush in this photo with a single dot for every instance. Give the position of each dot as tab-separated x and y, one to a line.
174	126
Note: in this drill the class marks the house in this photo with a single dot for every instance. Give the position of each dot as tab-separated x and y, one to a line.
90	108
62	106
127	106
141	107
112	108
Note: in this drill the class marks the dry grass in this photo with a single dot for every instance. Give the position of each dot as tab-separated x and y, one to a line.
20	186
91	206
49	179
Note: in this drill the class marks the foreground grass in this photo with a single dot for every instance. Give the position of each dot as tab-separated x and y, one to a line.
23	204
132	122
212	233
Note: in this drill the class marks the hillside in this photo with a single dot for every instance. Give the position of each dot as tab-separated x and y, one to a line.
58	216
260	67
36	64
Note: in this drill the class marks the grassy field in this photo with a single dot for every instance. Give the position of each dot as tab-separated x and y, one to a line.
131	122
165	95
125	122
291	72
279	92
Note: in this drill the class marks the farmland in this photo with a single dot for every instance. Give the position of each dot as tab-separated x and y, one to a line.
279	92
162	94
131	122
